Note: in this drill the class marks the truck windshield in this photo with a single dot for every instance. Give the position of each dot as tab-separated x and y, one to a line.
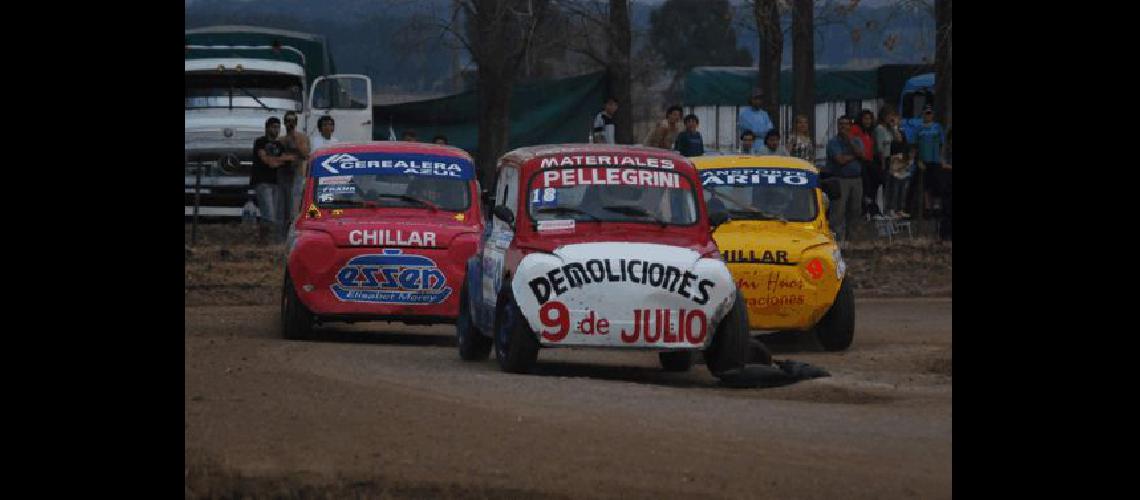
243	90
612	194
392	190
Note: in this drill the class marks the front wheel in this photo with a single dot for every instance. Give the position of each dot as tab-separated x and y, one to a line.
296	319
836	329
516	346
473	345
730	349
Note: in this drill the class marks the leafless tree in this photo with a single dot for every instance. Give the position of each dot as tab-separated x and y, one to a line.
497	34
803	62
603	34
767	14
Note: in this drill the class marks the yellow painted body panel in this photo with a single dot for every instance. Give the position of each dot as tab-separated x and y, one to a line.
786	271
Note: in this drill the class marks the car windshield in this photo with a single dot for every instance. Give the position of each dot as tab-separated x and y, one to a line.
612	194
392	190
762	194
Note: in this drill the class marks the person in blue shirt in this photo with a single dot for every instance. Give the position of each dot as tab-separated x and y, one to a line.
931	141
843	154
689	142
753	117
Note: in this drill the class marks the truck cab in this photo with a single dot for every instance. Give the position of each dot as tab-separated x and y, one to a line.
239	76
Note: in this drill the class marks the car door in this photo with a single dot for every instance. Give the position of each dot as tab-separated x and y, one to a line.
495	251
348	100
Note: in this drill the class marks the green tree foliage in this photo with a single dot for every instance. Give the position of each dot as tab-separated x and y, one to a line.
690	33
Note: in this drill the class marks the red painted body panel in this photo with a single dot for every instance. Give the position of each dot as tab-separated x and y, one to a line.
325	244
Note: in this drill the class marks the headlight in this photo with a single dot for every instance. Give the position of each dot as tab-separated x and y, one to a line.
840	266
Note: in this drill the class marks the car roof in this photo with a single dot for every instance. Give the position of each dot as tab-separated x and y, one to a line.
522	155
751	161
394	147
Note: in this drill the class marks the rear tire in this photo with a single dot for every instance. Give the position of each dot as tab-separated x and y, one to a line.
836	329
516	346
473	345
676	361
296	319
730	350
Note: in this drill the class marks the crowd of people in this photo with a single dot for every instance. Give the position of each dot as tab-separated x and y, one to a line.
865	156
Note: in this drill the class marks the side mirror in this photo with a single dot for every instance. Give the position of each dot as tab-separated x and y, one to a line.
504	213
716	219
831	188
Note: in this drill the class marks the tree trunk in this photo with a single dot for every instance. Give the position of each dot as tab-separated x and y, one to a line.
943	63
618	70
493	90
771	49
803	63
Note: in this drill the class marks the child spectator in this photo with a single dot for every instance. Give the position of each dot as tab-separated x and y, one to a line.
689	142
771	145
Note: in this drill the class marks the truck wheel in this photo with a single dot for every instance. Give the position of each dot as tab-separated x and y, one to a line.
730	348
676	361
473	345
296	319
836	329
516	347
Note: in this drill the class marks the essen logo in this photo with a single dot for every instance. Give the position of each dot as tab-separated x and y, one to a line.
392	277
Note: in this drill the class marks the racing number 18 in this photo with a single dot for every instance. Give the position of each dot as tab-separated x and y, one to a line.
543	196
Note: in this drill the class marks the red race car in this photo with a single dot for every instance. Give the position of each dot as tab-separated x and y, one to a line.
384	234
601	246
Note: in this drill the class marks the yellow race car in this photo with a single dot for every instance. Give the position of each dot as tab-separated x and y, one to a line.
774	236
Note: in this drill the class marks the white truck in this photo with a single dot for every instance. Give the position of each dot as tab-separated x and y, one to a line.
239	76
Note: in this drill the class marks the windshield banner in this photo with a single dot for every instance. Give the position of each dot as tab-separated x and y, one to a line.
342	164
759	177
570	177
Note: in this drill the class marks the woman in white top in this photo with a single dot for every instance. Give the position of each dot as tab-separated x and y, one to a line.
800	144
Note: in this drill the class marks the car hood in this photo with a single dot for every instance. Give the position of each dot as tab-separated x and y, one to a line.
767	242
615	280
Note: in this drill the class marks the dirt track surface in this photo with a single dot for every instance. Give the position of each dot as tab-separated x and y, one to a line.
381	410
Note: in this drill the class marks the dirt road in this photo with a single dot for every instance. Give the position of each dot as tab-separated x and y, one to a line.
389	411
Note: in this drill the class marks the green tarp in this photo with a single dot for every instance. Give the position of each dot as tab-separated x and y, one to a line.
731	86
318	61
558	111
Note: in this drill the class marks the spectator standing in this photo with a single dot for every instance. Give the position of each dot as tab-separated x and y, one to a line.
689	142
864	132
800	143
604	123
930	140
291	174
771	145
844	153
664	134
439	139
753	117
748	142
898	163
324	136
946	228
410	136
267	152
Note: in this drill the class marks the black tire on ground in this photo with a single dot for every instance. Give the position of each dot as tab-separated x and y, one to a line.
516	346
296	319
676	361
836	329
760	352
730	348
473	345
